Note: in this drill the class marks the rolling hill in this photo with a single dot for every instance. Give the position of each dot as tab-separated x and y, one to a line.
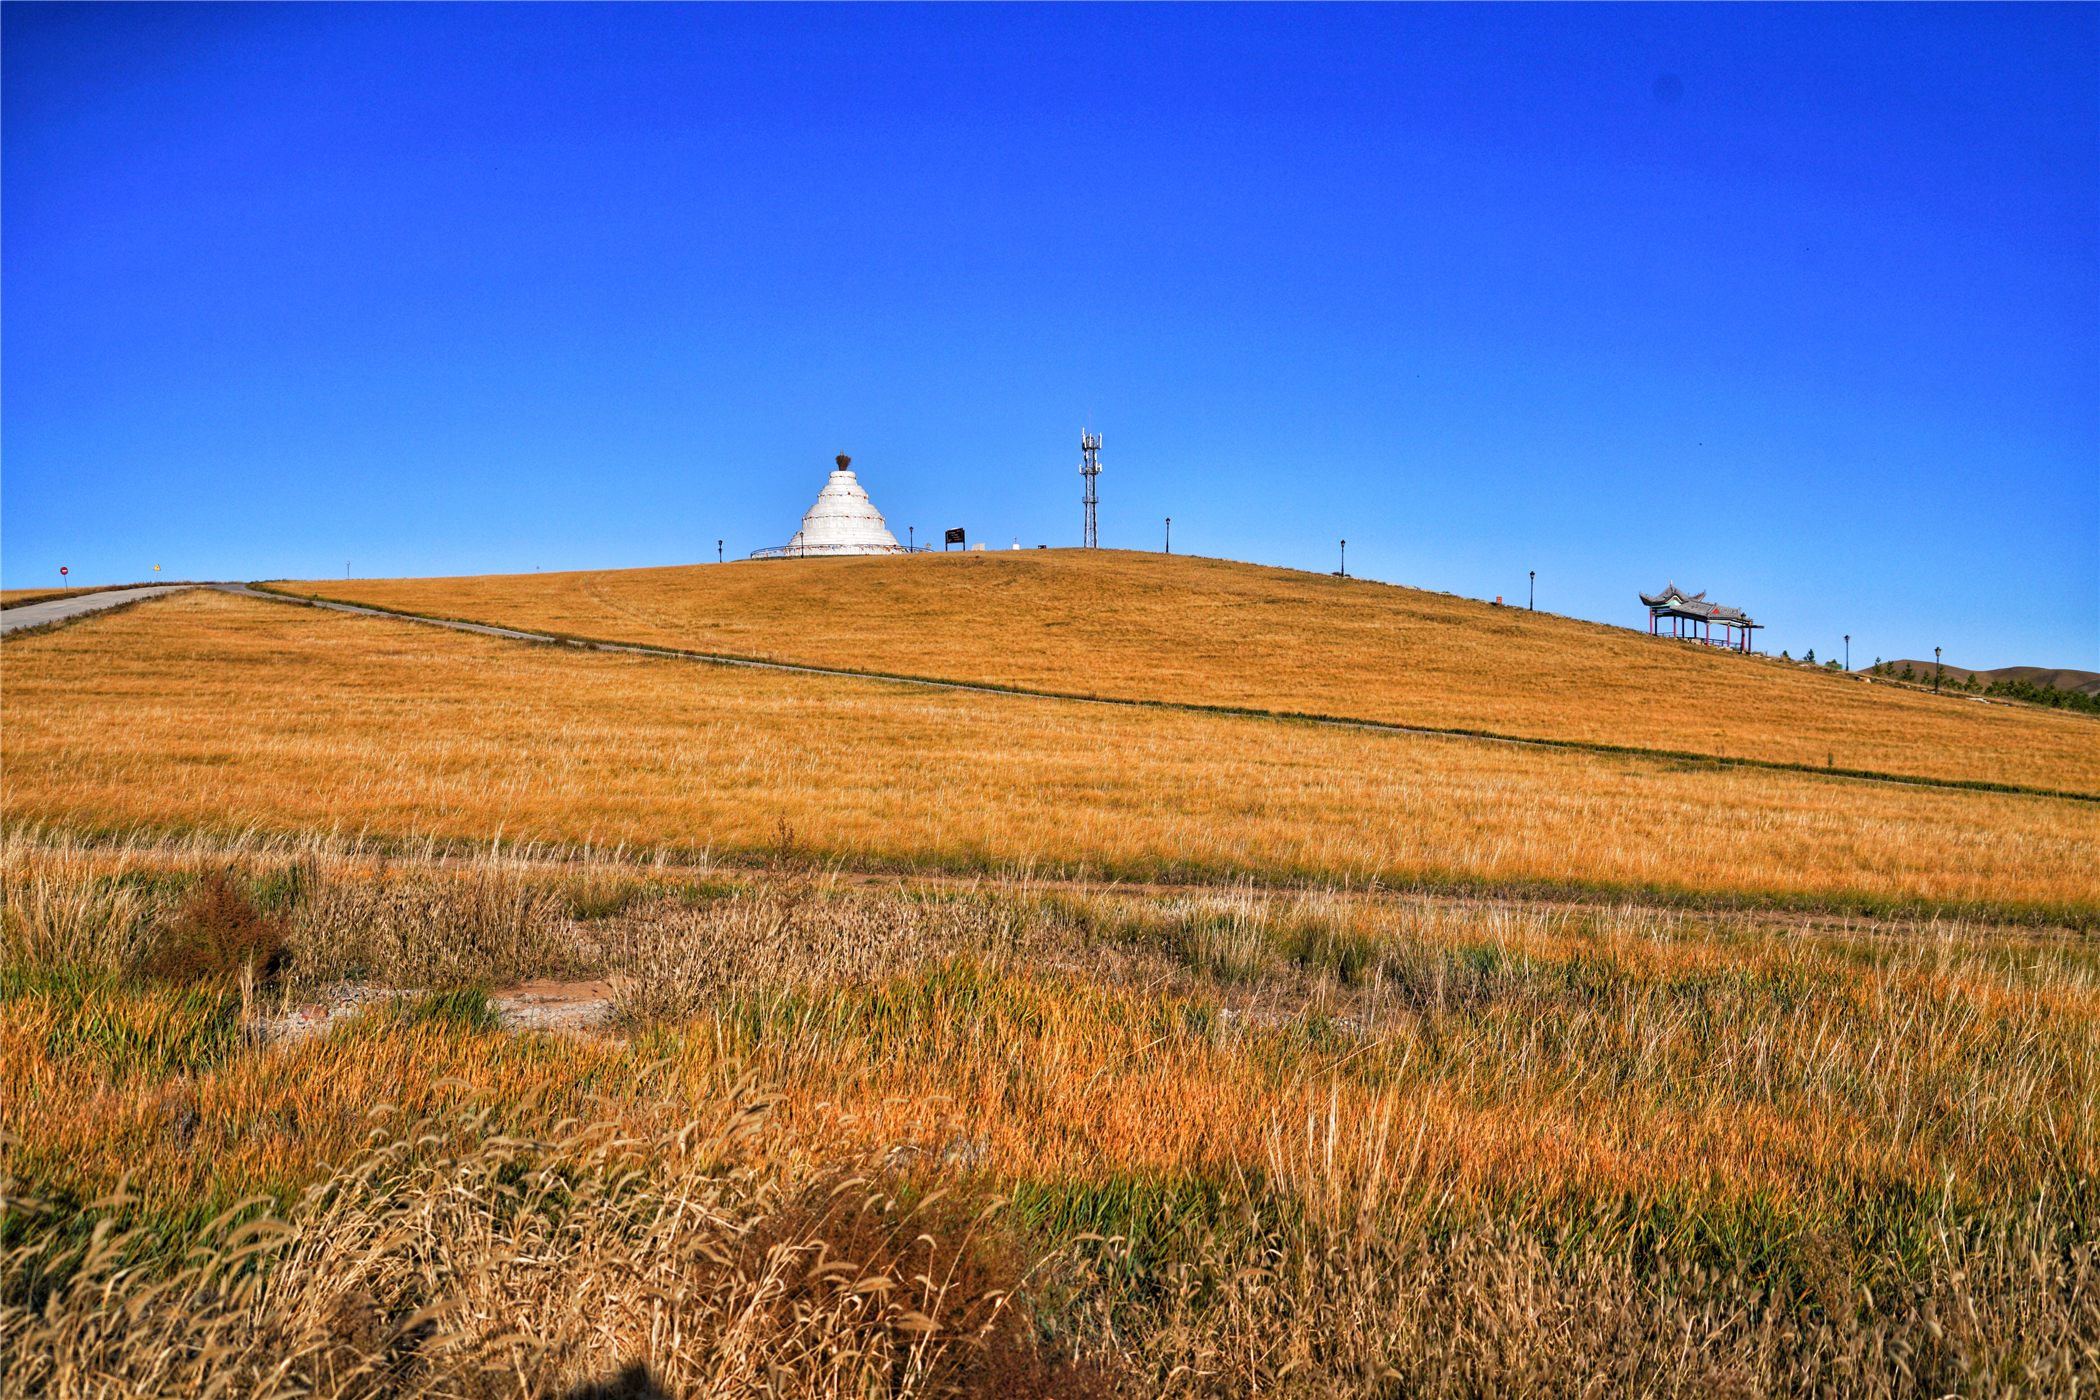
1199	631
203	712
2085	682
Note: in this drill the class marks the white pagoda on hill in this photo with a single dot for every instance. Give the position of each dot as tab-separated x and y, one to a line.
843	521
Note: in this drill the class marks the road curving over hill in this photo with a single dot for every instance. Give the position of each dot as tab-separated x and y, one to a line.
42	614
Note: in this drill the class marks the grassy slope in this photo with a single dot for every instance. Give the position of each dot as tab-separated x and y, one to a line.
2087	682
217	711
1208	631
1816	1105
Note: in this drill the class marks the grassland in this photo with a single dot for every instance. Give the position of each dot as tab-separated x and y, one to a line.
210	710
1246	1144
1214	632
988	1045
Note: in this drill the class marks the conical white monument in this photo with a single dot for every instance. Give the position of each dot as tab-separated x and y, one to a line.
843	521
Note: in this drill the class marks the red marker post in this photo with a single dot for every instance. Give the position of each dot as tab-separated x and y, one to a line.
61	571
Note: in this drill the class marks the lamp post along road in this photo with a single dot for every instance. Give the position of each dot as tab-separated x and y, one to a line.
1533	604
1848	651
1170	534
1936	670
1345	558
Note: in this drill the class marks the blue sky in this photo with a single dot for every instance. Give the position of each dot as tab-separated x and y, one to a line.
1797	305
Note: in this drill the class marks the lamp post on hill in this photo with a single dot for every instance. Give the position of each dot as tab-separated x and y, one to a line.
1533	605
1848	651
1170	534
1345	559
718	551
1935	670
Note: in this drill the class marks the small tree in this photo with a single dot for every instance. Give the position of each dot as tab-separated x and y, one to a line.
1811	657
1907	673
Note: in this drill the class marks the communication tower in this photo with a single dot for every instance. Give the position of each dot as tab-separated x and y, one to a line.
1090	468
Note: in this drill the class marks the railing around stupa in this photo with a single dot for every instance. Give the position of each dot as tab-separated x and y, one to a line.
821	551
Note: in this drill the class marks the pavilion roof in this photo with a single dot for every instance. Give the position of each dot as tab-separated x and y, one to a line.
1675	602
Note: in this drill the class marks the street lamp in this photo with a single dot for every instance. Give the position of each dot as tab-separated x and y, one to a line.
1848	651
1345	558
718	551
1170	534
1533	606
911	539
1935	670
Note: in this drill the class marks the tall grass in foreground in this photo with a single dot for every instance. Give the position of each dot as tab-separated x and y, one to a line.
338	912
1014	1140
451	1261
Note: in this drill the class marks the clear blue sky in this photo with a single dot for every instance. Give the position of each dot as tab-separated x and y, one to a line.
1797	305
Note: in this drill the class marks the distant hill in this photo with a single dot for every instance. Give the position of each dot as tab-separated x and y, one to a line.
2086	682
1116	623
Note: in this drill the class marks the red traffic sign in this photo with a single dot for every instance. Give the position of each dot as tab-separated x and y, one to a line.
61	568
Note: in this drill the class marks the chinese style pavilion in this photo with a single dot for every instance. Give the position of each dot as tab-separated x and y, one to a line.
1676	613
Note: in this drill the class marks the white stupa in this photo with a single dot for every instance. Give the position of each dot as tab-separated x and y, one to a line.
843	521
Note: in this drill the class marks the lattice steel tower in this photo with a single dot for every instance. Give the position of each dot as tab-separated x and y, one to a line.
1090	467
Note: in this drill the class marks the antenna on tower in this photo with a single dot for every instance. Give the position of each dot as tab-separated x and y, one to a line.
1090	468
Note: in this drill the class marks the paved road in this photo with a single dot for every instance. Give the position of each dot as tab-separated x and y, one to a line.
37	614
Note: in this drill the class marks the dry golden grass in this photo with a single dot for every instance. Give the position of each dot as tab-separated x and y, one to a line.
1243	1141
1344	1144
1512	1059
1215	632
450	1261
1531	1055
456	1263
215	711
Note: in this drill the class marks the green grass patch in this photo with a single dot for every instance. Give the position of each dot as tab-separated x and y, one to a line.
127	1030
